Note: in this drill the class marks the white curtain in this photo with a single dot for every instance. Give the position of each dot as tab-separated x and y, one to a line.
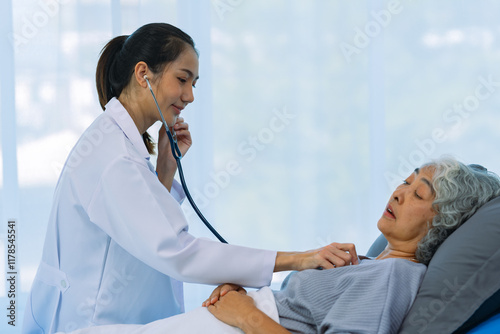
307	113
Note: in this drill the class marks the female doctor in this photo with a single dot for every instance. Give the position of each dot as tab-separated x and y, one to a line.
117	247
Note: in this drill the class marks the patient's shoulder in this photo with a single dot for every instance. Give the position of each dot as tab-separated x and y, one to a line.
405	270
393	266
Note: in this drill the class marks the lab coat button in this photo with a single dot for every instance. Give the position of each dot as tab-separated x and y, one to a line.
63	284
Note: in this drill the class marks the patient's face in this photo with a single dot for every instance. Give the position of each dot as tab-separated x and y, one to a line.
408	214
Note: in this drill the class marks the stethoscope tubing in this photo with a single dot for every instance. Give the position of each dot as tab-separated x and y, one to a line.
177	155
193	204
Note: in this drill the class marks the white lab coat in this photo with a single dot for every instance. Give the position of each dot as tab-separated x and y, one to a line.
117	246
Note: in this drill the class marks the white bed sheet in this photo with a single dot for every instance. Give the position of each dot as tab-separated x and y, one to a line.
199	320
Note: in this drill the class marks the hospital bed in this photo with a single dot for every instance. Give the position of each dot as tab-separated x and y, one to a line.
460	292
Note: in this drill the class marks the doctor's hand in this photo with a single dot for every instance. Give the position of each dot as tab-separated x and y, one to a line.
166	164
220	291
328	257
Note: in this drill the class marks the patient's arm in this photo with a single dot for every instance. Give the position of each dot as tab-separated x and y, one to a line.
237	309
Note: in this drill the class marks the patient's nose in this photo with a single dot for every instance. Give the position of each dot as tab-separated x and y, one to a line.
399	195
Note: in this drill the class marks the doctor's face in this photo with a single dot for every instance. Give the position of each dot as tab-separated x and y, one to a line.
409	213
174	90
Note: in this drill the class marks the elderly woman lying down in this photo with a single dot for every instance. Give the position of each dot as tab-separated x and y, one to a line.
371	297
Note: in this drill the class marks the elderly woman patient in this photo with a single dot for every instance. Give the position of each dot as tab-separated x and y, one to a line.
370	297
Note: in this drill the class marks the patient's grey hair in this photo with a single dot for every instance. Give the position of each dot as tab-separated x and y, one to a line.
460	191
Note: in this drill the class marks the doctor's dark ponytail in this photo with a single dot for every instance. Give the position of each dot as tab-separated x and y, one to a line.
156	44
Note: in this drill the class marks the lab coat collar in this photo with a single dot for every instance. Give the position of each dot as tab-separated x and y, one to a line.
126	123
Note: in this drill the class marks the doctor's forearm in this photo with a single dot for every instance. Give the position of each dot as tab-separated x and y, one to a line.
287	261
327	257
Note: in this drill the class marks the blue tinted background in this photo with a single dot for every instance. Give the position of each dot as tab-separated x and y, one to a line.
307	113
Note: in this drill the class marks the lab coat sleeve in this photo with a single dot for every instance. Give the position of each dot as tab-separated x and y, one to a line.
139	214
177	192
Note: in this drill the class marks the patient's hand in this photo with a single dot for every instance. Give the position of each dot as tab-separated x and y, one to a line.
233	308
222	290
237	309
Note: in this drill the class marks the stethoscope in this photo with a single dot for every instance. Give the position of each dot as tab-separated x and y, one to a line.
176	152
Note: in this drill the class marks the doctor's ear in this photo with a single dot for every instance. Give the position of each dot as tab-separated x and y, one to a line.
140	73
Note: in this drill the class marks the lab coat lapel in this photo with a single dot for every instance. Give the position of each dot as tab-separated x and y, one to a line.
126	123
